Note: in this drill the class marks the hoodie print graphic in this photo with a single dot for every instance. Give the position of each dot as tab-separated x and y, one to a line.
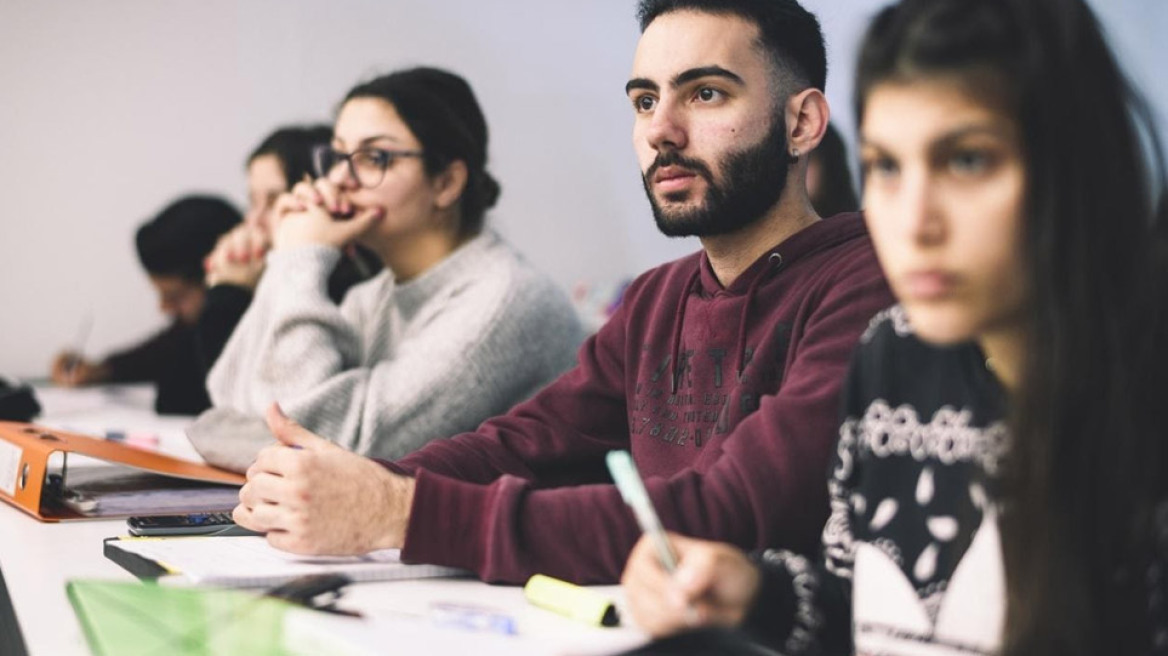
703	394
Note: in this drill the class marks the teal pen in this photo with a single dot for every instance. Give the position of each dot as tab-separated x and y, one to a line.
632	489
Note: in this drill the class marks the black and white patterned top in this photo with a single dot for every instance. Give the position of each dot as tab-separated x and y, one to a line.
912	556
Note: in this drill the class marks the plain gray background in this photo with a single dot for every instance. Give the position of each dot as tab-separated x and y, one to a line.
110	109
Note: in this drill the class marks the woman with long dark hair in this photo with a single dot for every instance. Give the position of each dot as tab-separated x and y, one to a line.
1001	474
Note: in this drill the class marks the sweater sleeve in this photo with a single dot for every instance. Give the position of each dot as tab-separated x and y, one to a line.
1157	581
291	336
765	488
440	377
145	361
801	607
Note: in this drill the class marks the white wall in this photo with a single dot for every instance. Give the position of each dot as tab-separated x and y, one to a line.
110	109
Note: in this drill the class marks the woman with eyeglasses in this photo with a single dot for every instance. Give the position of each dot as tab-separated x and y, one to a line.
234	267
458	328
1001	478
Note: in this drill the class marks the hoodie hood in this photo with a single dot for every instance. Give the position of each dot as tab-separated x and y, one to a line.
822	235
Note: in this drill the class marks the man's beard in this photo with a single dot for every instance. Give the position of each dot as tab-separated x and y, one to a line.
753	181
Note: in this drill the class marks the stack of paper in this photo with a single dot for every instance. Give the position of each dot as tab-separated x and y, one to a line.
117	491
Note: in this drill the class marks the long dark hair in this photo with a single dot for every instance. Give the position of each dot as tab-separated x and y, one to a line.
835	193
440	109
292	146
1088	419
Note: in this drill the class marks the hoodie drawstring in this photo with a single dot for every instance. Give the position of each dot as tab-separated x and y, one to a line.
776	261
678	320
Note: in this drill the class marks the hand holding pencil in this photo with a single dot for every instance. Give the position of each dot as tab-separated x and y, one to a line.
674	583
70	369
714	584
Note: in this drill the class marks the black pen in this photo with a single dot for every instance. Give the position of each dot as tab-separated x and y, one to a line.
307	591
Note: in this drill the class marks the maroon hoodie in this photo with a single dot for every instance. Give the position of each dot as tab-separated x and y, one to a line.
728	399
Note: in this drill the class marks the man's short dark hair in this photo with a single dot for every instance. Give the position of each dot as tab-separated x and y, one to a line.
175	242
787	31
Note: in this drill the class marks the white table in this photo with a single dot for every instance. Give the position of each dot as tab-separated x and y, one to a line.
38	559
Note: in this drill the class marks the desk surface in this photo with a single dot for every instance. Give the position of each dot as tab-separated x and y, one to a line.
37	559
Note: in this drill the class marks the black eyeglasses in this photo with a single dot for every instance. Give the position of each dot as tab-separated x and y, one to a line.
366	165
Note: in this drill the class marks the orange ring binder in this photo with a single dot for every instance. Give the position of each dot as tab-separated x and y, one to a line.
25	450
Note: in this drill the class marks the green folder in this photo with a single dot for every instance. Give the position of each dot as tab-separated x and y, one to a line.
128	619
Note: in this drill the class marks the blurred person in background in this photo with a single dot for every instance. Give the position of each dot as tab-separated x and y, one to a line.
829	180
171	248
234	268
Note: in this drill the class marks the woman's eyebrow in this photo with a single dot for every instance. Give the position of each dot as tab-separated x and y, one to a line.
368	140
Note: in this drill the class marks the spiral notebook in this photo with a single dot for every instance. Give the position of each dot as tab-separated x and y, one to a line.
250	562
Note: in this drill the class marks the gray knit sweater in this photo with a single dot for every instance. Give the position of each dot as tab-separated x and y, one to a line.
396	365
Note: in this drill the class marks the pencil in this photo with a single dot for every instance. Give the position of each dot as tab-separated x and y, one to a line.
79	347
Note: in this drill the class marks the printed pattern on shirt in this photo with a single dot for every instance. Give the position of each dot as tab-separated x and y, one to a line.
908	499
886	433
894	315
912	542
809	619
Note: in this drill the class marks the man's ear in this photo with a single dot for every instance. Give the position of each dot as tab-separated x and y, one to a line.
808	115
449	185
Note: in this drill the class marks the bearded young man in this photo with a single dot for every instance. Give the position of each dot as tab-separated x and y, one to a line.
721	371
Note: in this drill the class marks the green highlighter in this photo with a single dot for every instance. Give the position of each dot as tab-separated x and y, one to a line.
632	488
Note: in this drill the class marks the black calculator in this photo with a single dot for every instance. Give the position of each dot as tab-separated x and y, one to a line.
194	524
